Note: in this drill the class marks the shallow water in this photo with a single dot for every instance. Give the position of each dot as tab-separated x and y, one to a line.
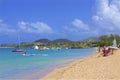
37	63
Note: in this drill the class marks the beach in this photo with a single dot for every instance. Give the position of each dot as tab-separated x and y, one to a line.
89	68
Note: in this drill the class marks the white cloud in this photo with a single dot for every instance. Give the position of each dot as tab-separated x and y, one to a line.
38	27
5	28
80	25
26	27
79	28
71	29
108	14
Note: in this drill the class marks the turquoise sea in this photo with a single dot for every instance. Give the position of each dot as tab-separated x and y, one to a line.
14	66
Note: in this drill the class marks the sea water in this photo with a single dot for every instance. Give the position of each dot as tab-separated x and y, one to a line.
36	63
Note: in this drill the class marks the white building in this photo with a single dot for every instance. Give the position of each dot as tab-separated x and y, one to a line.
35	47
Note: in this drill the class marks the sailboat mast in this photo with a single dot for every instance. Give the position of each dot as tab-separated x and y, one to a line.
19	40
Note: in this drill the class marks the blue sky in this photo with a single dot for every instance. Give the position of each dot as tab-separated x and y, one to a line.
52	19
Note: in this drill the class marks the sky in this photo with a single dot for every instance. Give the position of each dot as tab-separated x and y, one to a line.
53	19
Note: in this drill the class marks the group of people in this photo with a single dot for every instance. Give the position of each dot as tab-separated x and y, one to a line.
105	51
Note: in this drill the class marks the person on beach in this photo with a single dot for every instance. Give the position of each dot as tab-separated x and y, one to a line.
111	51
98	50
118	45
108	51
104	50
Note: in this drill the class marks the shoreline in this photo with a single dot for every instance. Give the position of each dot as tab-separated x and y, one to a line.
39	74
66	64
90	67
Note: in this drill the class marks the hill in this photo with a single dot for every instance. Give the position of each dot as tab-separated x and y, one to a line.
61	40
54	41
44	40
91	39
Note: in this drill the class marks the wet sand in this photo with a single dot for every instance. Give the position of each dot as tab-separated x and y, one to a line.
89	68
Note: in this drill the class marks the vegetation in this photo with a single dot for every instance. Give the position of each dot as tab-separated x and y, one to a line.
65	43
108	40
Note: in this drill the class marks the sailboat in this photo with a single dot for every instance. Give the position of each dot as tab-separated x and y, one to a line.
19	49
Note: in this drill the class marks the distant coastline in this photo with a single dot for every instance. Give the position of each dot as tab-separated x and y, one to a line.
103	40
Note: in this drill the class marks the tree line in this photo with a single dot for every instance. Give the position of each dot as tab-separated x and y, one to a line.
107	40
103	40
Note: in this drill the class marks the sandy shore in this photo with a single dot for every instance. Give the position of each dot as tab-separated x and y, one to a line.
89	68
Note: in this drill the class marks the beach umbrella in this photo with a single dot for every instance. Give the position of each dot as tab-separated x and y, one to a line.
114	43
114	46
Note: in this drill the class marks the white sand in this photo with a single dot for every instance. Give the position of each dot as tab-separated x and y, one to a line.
90	68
